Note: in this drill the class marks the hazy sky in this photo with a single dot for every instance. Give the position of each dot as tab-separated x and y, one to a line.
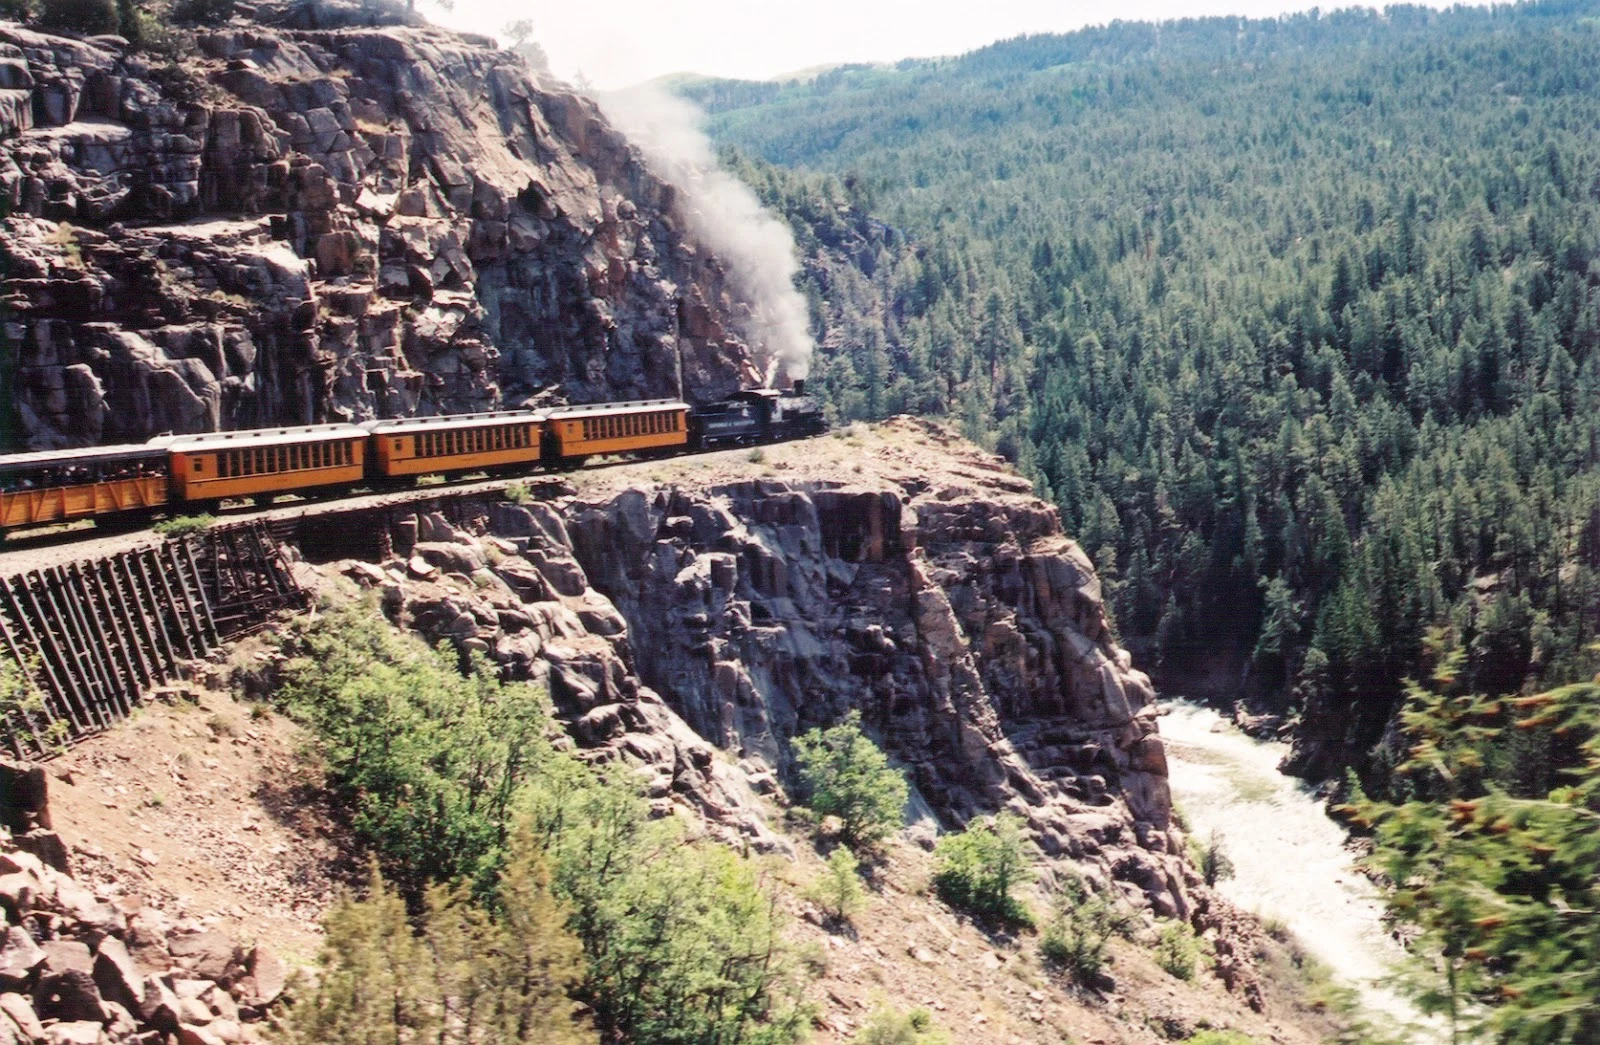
616	43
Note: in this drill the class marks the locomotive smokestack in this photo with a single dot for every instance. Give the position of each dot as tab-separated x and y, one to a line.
800	386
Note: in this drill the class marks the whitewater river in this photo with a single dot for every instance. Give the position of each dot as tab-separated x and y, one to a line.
1289	857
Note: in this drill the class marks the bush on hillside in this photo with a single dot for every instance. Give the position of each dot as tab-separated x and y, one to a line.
977	870
450	779
429	760
184	525
1211	859
844	774
838	890
463	976
89	17
682	942
1179	951
886	1027
1080	929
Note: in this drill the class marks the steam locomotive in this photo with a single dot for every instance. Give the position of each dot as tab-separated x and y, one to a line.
201	471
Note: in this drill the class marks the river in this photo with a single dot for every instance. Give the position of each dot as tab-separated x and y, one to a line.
1290	861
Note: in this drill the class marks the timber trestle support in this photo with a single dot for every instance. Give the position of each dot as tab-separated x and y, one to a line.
93	636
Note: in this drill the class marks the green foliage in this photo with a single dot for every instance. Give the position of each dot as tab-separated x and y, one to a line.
89	17
1211	859
450	779
184	525
837	891
518	493
978	869
1220	1037
428	759
1080	929
464	977
682	942
844	774
1498	866
1300	387
18	691
1178	950
889	1027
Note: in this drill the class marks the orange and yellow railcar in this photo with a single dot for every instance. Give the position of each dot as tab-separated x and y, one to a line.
54	486
463	442
617	428
221	465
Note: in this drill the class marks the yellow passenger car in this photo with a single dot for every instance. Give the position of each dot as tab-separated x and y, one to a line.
54	486
463	442
617	428
219	465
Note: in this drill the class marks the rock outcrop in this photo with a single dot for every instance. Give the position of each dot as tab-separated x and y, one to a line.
672	620
296	226
100	967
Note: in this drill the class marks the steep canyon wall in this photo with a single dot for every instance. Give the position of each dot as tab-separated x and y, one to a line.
693	618
301	226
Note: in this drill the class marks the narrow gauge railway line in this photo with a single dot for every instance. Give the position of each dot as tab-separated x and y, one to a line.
158	604
177	475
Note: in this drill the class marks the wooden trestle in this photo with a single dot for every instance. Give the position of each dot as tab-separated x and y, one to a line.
93	636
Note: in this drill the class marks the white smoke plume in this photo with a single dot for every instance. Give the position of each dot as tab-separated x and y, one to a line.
727	217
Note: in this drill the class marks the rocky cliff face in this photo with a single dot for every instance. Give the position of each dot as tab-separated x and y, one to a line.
693	617
296	226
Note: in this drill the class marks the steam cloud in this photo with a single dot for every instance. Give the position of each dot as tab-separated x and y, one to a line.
727	217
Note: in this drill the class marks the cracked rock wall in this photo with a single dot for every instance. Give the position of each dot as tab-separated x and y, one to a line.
305	226
671	621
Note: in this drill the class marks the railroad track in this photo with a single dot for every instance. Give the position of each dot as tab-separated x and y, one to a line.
95	633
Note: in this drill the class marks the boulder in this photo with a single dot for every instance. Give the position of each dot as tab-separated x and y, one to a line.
19	957
24	797
19	1010
47	846
264	979
79	1032
159	1006
117	974
207	955
66	989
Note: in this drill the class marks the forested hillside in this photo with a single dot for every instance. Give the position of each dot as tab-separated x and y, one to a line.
1296	320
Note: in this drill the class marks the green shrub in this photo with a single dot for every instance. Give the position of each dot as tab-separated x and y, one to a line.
682	943
1210	859
886	1027
844	774
1178	951
90	17
428	759
184	525
463	977
838	889
1220	1037
517	492
977	870
1079	931
449	778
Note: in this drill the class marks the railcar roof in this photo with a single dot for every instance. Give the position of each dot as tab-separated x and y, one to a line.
82	456
487	419
641	406
259	437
